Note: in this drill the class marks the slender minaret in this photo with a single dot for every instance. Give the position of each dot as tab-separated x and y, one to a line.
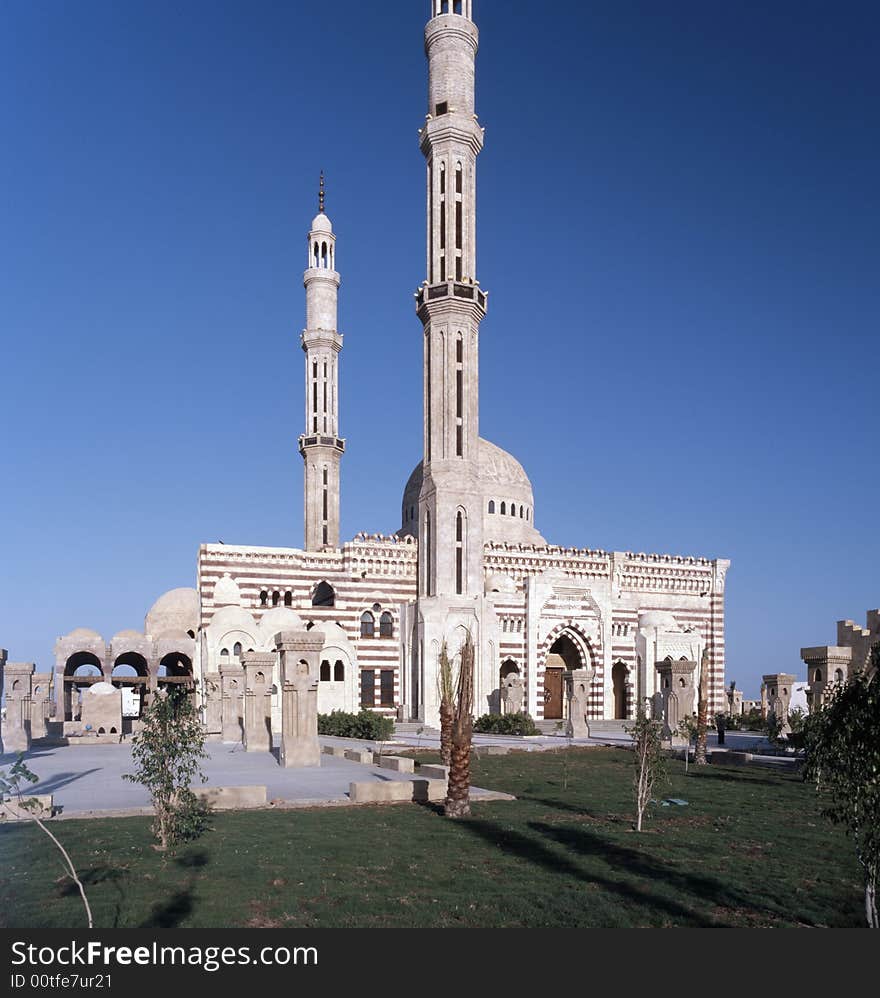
320	445
451	306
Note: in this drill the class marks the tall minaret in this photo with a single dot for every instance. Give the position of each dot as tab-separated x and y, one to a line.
320	445
451	306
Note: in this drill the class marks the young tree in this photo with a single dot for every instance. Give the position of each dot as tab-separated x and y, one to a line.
28	807
167	752
700	756
447	691
458	803
843	760
650	765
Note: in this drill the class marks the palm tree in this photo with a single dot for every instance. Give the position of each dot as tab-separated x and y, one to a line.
458	803
700	757
446	693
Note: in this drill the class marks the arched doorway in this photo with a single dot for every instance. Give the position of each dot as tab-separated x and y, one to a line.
175	675
618	682
81	670
563	657
131	674
511	688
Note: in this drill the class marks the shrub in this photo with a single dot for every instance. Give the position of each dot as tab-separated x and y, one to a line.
505	724
366	724
167	754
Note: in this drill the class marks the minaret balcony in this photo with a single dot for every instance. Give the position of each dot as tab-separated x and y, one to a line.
320	440
452	293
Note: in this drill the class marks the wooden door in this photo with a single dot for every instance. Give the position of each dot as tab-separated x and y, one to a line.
553	694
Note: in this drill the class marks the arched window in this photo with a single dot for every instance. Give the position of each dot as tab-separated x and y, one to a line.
386	625
521	512
324	595
276	598
325	671
236	649
491	505
459	553
224	653
504	509
264	598
817	677
338	672
838	676
528	515
288	598
368	624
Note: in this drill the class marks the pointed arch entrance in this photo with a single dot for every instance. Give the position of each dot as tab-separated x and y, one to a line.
564	656
619	677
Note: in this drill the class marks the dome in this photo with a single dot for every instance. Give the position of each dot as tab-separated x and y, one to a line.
660	619
320	223
226	592
177	610
500	583
508	501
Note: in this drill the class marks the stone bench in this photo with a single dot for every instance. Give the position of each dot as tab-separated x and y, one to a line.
11	809
232	798
434	772
336	750
393	791
398	763
364	756
491	750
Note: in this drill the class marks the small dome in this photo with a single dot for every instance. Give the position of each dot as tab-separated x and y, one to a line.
500	583
660	619
321	223
102	689
226	592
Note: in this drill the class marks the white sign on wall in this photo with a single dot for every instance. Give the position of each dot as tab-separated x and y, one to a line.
131	702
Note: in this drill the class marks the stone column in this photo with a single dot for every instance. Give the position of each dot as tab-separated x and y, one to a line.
299	651
778	686
676	696
41	703
213	719
578	701
258	668
232	691
15	679
512	694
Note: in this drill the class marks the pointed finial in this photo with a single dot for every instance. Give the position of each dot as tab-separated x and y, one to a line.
321	195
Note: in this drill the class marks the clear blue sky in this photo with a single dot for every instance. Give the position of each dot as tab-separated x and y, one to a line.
679	226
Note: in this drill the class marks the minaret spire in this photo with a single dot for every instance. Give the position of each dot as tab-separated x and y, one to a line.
320	445
451	306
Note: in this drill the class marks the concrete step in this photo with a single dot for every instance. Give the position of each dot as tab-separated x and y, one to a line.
413	728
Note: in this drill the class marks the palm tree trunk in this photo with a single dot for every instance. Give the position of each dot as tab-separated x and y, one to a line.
446	733
700	756
458	803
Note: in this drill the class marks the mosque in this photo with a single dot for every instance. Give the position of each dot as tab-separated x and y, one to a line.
469	557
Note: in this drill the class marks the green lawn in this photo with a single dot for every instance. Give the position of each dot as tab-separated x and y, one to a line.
749	850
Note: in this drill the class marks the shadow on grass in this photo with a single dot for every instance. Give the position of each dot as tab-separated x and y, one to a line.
171	912
706	891
533	850
100	875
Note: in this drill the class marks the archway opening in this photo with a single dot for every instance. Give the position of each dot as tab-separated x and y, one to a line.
324	595
563	657
618	682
